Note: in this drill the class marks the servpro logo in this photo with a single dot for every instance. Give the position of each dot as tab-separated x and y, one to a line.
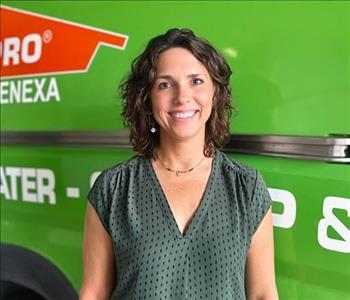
16	51
34	45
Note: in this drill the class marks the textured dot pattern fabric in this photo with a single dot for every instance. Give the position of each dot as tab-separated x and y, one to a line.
153	259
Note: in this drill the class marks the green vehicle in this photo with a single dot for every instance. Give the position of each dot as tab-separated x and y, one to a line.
61	63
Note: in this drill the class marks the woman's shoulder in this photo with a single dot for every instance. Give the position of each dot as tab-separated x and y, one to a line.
252	184
121	166
236	166
118	176
124	168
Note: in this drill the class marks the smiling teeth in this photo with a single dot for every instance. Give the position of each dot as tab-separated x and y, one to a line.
184	115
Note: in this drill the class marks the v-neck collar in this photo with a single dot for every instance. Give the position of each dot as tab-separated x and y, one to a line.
167	212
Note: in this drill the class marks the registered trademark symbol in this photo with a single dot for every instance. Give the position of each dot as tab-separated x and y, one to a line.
47	36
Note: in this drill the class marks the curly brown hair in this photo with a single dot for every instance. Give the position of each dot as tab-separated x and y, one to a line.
134	91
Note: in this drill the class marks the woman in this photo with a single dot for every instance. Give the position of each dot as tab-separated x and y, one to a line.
179	220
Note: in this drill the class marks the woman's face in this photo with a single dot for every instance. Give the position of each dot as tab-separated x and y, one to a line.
181	95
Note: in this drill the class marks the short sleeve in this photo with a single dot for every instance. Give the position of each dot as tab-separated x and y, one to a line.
99	198
260	203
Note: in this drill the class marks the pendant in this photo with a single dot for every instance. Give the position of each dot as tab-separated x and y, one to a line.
177	173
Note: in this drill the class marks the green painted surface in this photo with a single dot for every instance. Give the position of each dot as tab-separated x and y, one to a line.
290	63
304	269
54	230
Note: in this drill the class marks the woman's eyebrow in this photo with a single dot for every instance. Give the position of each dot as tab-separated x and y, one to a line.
170	77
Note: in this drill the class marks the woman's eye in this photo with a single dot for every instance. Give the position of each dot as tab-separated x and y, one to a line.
164	85
197	81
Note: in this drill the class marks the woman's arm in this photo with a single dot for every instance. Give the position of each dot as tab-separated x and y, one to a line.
260	269
98	259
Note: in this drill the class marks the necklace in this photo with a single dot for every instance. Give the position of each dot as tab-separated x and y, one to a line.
177	172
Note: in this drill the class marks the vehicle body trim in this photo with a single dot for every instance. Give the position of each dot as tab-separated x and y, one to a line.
334	148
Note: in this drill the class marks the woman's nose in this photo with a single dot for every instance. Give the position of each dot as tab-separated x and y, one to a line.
183	94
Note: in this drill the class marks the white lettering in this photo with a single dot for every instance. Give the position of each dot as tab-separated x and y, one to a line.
29	91
14	51
93	178
39	90
4	188
35	184
15	91
330	219
48	189
34	39
4	92
287	218
28	185
13	173
10	51
53	90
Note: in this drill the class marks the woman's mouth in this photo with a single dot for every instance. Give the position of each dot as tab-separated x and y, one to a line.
184	115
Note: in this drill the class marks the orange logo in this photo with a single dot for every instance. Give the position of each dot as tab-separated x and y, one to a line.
34	44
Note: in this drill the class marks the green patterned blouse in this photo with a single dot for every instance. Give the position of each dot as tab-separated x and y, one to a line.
153	259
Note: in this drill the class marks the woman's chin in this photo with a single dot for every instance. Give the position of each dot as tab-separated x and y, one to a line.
184	135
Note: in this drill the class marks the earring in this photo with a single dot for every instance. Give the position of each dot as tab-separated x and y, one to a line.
153	127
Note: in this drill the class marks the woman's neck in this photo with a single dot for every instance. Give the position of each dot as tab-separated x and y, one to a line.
180	155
